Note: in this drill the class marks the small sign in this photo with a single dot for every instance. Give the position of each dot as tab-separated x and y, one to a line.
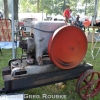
12	97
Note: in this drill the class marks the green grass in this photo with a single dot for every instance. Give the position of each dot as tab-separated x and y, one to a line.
70	86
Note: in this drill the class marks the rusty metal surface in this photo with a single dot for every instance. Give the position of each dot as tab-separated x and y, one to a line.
88	84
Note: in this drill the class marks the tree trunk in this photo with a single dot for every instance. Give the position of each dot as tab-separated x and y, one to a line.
6	8
86	8
16	9
37	5
64	5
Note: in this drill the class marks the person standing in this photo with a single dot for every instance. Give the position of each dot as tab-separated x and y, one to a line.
66	14
71	19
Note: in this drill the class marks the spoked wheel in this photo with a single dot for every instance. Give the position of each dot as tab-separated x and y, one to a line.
88	85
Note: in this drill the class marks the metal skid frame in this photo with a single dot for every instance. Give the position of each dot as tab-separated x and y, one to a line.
12	84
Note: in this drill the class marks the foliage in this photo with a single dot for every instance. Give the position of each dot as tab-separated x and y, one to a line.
27	6
54	6
57	6
1	5
47	6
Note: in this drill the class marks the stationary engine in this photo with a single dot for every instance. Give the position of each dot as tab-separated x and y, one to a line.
53	55
64	45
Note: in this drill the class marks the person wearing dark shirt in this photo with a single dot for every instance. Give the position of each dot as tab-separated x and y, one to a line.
78	23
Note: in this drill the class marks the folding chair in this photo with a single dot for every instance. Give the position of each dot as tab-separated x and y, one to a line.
97	39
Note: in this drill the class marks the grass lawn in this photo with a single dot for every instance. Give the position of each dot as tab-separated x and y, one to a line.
70	88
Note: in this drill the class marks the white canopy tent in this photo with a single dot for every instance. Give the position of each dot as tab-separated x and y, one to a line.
13	49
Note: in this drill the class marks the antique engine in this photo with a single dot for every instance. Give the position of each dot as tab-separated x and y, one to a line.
53	54
65	45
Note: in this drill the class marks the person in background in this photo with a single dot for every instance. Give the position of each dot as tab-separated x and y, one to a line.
78	23
77	18
71	19
97	24
86	24
1	15
66	14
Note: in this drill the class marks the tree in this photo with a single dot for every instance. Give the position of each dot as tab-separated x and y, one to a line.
37	5
27	6
16	9
6	8
56	6
89	6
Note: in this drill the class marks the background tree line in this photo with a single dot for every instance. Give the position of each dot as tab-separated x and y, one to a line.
57	6
48	6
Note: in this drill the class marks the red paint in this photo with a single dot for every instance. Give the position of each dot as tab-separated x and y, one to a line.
67	47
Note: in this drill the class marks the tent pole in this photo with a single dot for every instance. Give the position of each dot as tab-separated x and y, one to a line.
42	10
13	49
96	10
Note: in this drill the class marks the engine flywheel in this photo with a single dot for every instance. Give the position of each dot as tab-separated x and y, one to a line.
67	47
